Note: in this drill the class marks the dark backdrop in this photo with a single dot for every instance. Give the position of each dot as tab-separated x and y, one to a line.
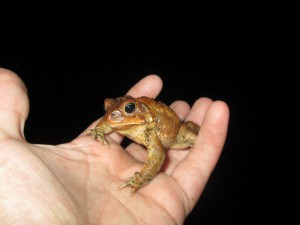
70	68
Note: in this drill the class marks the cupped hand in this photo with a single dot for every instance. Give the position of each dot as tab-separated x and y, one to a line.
77	182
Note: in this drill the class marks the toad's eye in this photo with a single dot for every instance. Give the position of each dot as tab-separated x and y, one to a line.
130	107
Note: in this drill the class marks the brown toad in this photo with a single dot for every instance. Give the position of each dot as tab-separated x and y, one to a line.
147	122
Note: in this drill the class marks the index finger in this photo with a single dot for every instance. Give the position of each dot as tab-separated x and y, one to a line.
149	86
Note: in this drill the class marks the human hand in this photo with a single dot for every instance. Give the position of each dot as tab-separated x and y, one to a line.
77	182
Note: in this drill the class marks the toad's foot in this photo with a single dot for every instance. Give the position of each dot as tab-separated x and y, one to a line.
136	182
98	135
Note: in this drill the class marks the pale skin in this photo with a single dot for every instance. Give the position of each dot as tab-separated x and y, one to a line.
77	182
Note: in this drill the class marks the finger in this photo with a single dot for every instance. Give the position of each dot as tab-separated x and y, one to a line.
196	114
14	105
181	108
138	152
198	110
194	170
149	86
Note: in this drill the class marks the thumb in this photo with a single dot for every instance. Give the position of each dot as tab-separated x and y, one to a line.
14	105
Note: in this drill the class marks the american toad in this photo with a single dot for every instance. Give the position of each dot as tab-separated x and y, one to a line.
147	122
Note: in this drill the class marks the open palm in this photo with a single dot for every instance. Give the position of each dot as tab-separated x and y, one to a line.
77	182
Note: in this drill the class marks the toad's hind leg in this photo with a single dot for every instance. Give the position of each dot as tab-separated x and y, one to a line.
155	159
186	135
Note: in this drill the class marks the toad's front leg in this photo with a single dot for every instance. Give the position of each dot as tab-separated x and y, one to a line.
155	159
99	132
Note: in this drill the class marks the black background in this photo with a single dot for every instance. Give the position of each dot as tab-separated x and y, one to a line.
70	67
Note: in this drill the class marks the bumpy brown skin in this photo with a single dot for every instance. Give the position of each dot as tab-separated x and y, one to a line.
147	122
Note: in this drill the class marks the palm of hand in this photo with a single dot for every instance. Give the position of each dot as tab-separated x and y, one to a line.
77	182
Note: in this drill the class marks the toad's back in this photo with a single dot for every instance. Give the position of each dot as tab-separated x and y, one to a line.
167	121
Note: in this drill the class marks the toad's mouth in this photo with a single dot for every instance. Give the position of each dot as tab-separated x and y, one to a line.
114	124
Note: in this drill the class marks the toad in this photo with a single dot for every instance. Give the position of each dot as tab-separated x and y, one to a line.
150	123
